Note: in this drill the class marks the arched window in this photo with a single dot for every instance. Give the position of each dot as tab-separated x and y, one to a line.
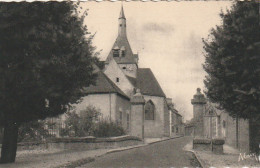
149	110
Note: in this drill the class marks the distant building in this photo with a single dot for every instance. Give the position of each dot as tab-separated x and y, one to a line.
210	122
176	120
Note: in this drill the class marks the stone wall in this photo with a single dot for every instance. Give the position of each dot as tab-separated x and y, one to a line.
229	132
122	108
88	143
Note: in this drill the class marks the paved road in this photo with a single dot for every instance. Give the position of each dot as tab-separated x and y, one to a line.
163	154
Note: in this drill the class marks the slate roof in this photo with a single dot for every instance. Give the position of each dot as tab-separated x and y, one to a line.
147	83
104	85
129	57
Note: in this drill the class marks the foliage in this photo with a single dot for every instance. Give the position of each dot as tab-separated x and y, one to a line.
45	59
88	122
33	131
81	124
233	61
106	128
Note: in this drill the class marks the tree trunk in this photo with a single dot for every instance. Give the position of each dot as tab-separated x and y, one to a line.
9	145
237	143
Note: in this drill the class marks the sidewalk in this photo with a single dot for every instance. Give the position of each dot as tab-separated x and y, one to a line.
230	158
66	159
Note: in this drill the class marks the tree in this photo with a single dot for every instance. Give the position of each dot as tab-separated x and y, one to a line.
45	61
232	62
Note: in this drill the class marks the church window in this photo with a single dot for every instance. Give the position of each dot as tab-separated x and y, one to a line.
123	53
116	53
117	79
120	25
124	67
149	110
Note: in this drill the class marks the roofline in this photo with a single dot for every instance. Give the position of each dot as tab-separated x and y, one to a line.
106	62
152	95
109	93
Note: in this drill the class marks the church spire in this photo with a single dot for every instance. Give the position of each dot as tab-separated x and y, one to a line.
121	51
122	14
122	23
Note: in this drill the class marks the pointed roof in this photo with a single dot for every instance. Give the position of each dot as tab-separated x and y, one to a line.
122	43
129	58
122	14
147	83
104	85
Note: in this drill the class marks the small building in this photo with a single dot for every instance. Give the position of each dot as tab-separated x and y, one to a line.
176	120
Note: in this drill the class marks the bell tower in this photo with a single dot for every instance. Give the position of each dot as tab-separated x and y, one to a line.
121	51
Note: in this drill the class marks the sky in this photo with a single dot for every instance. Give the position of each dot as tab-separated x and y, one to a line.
166	35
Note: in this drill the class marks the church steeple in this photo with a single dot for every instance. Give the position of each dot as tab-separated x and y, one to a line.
121	51
122	23
122	14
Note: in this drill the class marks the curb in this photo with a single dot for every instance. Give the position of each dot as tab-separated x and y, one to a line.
165	140
124	149
199	160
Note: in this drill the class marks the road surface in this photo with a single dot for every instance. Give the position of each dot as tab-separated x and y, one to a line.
163	154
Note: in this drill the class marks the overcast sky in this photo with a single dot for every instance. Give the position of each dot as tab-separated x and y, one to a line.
166	35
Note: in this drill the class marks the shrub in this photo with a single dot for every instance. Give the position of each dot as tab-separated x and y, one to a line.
81	124
106	128
33	131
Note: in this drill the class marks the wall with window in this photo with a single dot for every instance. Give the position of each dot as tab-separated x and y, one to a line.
129	69
114	72
155	127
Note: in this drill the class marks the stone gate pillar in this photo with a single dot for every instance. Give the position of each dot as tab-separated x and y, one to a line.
199	106
137	115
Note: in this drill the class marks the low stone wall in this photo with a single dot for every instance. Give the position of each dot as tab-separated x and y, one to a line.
214	145
217	146
202	144
86	143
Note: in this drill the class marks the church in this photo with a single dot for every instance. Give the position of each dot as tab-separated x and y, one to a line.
119	82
